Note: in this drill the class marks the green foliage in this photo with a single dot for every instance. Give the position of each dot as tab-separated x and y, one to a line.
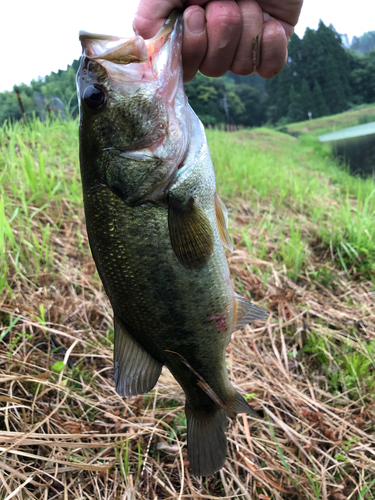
362	77
293	251
364	43
318	78
321	78
349	368
35	173
319	348
220	100
58	366
61	85
16	340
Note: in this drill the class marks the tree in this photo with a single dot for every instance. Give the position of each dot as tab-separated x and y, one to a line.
254	105
362	77
307	101
319	100
295	109
364	43
316	78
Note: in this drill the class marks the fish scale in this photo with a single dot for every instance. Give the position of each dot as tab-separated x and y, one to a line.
157	231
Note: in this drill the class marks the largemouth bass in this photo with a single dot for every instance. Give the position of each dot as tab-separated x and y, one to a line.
157	231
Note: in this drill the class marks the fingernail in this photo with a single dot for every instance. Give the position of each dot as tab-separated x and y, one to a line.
196	22
266	17
134	28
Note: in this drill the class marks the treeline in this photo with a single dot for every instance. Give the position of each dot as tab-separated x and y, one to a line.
364	43
320	78
60	85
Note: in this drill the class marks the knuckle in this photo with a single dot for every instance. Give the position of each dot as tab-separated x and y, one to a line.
225	14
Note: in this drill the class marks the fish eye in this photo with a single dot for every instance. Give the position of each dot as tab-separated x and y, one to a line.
94	96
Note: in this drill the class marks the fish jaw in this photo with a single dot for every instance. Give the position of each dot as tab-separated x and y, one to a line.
144	118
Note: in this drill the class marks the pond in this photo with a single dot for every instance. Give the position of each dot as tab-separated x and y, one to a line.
355	147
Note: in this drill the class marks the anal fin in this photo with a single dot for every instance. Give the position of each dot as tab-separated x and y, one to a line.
222	222
246	312
136	371
240	405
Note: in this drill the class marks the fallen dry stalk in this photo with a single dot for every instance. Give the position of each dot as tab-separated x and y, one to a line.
67	434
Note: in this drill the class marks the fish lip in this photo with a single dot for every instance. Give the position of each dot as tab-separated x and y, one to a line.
126	50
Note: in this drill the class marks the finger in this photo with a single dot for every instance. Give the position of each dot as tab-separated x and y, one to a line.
273	49
194	44
148	19
223	33
288	28
285	11
252	22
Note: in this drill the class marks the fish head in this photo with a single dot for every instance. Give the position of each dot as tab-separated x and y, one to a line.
133	107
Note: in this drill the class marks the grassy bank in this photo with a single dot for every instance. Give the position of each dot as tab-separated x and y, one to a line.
318	126
303	249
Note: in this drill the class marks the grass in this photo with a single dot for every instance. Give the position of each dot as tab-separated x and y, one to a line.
357	116
303	249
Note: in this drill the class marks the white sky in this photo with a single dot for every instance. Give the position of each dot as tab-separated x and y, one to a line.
39	36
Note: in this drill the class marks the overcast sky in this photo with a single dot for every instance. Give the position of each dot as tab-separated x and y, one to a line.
38	37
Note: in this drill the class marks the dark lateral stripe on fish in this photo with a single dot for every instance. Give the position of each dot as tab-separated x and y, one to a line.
190	233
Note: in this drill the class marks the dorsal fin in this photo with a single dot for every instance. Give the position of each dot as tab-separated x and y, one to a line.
246	312
222	222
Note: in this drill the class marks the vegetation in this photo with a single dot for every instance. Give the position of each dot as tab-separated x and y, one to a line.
364	43
304	250
358	116
61	84
321	78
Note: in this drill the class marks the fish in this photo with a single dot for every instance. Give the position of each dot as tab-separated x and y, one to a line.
158	231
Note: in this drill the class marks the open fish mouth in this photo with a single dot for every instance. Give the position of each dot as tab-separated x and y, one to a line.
126	51
137	74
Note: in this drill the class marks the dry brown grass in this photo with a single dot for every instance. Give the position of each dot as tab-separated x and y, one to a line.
69	435
66	434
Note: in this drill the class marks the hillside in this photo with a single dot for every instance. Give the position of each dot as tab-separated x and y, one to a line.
320	78
304	249
325	124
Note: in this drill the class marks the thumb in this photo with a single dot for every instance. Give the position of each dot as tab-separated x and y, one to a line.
152	14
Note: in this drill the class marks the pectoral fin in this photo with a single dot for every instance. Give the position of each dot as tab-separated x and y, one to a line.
136	372
246	312
222	222
190	233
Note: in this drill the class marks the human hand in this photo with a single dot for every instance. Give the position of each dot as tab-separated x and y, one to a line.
219	34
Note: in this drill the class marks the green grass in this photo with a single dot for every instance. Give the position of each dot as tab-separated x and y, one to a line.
39	179
359	115
304	237
299	177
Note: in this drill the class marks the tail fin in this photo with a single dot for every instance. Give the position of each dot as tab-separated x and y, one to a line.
206	440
